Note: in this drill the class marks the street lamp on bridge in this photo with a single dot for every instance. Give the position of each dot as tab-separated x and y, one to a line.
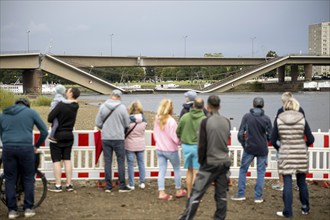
111	44
28	40
185	45
252	39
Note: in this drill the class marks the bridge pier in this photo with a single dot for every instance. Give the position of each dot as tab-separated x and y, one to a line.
281	74
294	73
308	72
32	81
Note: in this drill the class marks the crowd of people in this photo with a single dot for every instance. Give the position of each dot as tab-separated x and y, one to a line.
201	131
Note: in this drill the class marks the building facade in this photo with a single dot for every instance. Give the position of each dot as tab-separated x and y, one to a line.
319	44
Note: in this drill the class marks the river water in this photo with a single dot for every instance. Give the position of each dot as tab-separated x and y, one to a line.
234	105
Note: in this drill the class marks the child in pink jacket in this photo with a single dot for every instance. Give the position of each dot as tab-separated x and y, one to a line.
135	143
167	145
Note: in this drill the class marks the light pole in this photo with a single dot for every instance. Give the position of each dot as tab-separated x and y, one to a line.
111	44
252	39
185	45
28	38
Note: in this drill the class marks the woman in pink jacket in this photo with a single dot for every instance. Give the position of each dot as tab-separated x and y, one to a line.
135	143
167	145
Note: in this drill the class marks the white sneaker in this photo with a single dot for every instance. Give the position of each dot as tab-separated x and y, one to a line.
304	213
280	214
142	186
29	213
12	214
277	187
258	200
130	187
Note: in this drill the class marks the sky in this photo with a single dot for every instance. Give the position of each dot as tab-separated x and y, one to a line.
159	28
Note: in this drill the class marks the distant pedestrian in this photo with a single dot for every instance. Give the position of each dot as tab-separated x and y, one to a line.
59	97
285	97
214	162
18	153
190	98
66	113
113	119
288	137
167	146
187	131
135	143
254	134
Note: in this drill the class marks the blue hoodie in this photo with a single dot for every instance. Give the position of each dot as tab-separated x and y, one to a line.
16	126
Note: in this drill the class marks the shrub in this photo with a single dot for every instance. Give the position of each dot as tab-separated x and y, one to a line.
42	101
6	99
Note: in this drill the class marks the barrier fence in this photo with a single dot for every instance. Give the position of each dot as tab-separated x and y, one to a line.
84	167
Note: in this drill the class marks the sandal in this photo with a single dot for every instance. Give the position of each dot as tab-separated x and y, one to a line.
182	194
166	197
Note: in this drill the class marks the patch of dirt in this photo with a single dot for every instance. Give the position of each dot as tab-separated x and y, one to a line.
89	202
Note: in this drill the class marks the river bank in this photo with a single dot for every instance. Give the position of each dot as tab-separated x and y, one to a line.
86	116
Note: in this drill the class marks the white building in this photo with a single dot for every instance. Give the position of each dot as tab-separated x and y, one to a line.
319	44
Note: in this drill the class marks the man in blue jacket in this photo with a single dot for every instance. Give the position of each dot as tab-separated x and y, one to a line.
18	154
254	134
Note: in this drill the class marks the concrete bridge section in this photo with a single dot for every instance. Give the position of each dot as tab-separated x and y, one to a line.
106	61
34	64
66	67
267	66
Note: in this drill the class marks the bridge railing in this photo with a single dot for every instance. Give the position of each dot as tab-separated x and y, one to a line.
85	168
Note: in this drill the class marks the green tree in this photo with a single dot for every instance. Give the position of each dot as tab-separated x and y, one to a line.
271	54
272	73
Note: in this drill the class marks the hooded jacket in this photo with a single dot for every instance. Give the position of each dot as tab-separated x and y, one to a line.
255	132
135	141
115	126
186	108
290	129
188	127
16	126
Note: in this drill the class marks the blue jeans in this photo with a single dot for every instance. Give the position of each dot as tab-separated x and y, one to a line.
261	169
287	193
130	166
19	159
119	147
174	158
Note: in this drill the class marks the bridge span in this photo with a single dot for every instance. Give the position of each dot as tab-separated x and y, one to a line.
67	67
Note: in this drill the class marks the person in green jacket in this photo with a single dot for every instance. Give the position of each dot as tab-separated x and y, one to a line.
187	131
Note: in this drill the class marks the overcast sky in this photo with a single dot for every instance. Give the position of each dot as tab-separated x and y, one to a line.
158	28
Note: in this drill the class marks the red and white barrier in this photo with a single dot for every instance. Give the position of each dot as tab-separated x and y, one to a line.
84	167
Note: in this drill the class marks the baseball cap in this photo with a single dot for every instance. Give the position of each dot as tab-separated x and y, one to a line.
191	95
116	92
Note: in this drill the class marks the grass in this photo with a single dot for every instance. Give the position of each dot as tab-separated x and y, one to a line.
6	99
42	101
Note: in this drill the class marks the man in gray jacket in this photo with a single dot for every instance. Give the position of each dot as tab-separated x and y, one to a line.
113	119
214	161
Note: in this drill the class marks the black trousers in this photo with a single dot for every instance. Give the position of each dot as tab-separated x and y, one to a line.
207	174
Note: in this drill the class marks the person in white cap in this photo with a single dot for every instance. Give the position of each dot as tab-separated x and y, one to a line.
190	98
